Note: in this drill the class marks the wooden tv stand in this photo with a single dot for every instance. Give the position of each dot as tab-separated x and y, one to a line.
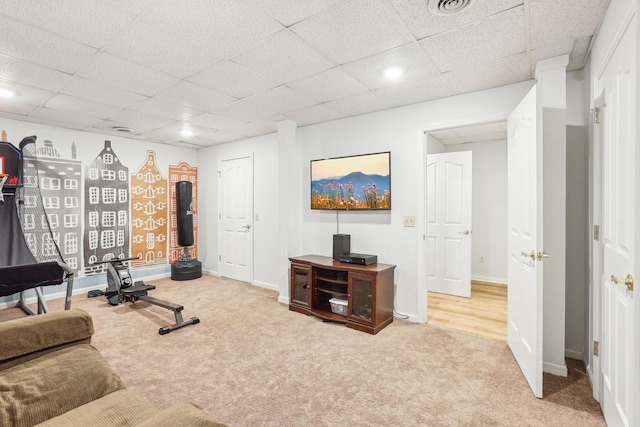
368	289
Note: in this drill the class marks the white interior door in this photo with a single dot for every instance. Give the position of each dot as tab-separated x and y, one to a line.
524	334
449	197
619	324
236	214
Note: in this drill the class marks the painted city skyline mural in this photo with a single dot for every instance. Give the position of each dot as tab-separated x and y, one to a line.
109	207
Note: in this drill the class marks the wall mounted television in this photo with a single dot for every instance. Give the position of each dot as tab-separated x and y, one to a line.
361	182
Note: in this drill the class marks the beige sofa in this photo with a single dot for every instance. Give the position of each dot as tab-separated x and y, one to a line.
50	375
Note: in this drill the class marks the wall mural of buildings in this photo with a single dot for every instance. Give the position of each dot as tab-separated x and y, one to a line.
106	222
61	196
182	172
149	214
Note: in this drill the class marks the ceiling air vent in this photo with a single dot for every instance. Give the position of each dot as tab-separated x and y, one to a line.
447	7
122	129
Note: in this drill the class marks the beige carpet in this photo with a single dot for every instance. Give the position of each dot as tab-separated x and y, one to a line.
252	362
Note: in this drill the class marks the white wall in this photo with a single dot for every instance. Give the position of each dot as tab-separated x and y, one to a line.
577	231
489	221
400	130
264	150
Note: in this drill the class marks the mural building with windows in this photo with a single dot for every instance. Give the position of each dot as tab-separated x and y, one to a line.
106	200
60	188
149	214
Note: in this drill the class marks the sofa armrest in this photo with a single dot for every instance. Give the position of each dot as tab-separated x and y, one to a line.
36	335
182	414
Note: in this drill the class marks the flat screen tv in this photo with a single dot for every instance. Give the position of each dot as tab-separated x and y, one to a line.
359	182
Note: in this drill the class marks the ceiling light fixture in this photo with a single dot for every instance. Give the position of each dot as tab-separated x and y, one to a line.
6	93
393	72
447	7
186	132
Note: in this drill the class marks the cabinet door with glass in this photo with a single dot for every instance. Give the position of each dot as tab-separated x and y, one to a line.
362	297
300	284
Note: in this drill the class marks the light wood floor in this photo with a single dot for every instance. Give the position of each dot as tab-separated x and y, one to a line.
484	314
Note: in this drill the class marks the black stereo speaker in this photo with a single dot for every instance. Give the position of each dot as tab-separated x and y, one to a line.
341	245
184	213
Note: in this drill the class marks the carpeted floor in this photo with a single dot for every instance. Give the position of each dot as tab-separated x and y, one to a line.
252	362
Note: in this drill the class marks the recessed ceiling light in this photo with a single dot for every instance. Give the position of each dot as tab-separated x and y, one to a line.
393	72
186	132
6	93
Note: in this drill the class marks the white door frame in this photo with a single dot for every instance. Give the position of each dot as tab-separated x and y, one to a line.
220	202
422	198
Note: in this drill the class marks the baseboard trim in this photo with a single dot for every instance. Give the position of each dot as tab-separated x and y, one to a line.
489	279
574	354
266	285
555	369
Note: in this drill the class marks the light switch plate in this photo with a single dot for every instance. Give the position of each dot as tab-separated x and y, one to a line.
409	221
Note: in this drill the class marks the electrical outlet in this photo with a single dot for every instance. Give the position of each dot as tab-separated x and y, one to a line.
481	260
409	221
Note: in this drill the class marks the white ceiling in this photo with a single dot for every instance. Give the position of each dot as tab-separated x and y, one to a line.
474	133
231	69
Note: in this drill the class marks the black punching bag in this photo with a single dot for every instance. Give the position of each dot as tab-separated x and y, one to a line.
185	213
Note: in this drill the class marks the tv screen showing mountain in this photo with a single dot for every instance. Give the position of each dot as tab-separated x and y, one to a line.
353	182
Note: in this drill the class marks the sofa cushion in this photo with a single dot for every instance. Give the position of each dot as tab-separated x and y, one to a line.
53	384
182	414
122	408
30	337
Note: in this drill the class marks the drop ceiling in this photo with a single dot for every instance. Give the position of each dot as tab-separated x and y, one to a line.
231	69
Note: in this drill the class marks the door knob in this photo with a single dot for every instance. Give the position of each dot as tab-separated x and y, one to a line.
628	281
246	227
465	232
531	255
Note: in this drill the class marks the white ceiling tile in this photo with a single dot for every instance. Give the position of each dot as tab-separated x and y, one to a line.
25	94
72	104
222	28
19	71
135	7
353	29
87	21
165	109
452	141
244	112
568	20
579	53
314	114
18	115
283	58
233	79
288	12
16	108
486	137
99	92
495	73
495	37
359	104
40	47
433	87
194	96
258	127
70	117
549	51
411	58
139	122
480	129
114	71
157	49
214	122
280	100
329	85
444	134
423	23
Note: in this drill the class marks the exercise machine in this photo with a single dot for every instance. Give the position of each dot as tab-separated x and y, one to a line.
121	289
